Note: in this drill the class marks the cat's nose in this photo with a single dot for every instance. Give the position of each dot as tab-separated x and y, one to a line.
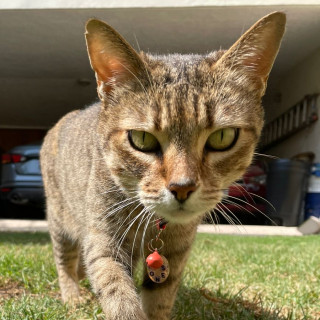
182	191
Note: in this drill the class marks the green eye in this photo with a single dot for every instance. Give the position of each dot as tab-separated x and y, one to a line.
222	139
143	141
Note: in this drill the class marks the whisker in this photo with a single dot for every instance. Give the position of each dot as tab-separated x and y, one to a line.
242	190
145	67
226	216
208	215
264	200
266	155
119	244
145	215
142	86
236	219
215	216
112	190
141	216
122	221
237	205
144	232
136	203
119	206
252	206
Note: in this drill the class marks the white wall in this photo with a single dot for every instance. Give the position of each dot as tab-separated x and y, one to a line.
303	79
40	4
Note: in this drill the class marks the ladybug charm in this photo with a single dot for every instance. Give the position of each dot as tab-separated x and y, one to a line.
157	267
154	260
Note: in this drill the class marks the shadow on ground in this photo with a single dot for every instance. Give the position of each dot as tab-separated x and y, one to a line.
203	304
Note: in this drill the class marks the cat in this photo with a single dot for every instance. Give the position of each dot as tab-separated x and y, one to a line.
168	136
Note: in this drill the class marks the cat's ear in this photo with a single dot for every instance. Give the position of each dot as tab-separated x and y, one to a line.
114	61
254	53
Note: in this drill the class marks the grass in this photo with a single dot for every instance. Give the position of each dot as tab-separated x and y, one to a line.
227	277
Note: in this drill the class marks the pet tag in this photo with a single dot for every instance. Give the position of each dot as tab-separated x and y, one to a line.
157	267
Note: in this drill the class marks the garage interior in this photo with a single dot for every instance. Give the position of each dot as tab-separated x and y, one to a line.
45	71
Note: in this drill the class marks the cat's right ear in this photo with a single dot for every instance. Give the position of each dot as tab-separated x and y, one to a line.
114	61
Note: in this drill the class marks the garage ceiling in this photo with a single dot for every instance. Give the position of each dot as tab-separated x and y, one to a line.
45	70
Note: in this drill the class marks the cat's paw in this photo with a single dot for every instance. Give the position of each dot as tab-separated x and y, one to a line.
126	312
72	298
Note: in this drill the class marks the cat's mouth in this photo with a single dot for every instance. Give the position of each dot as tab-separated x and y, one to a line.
176	211
179	214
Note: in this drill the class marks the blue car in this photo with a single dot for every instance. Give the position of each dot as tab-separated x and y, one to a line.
21	185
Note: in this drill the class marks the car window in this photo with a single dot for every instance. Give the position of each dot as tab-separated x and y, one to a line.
31	166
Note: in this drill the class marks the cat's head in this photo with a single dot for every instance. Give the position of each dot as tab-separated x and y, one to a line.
179	129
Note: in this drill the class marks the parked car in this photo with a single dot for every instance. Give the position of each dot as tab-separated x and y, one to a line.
21	186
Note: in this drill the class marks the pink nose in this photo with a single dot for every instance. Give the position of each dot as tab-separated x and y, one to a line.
182	191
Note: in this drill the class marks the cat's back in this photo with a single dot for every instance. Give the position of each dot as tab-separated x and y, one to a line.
68	146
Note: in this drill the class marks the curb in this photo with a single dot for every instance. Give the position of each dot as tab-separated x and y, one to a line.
250	230
311	226
8	225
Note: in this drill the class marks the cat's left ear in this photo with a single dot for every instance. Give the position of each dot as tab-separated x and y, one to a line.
114	61
254	53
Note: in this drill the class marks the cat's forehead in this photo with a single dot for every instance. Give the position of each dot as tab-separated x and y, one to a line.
185	108
185	96
179	68
179	60
187	91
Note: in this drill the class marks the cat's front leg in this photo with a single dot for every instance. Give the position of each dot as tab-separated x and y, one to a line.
158	298
110	278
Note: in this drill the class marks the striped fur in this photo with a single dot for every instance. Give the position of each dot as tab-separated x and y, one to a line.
103	195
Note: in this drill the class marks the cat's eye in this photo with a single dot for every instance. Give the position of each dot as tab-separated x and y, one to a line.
143	141
222	139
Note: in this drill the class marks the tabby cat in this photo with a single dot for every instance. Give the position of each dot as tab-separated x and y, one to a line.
168	136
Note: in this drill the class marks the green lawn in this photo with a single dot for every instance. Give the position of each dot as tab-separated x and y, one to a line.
227	277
